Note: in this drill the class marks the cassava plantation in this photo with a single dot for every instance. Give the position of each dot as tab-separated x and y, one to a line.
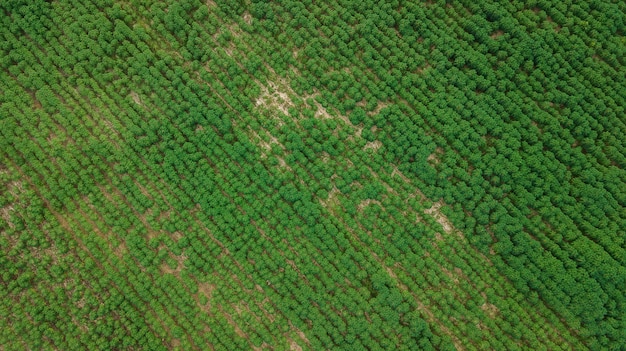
312	175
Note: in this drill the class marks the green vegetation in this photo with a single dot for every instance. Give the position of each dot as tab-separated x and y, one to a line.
292	175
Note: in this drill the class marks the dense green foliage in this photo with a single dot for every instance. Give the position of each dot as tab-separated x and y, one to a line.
339	174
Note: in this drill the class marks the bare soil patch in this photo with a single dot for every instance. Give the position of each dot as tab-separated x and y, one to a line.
496	34
247	17
490	309
434	158
363	204
5	213
275	96
331	200
293	346
136	98
374	145
180	260
435	211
